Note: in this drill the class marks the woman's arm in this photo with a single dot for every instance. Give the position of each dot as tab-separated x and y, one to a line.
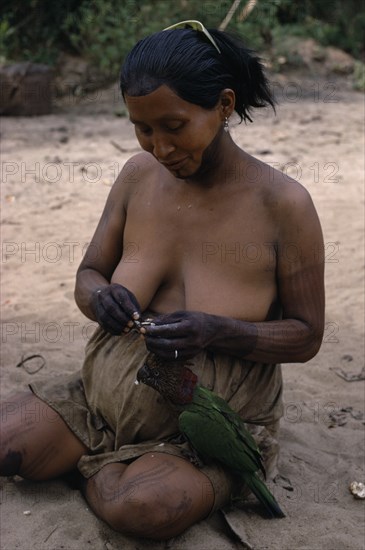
300	280
110	304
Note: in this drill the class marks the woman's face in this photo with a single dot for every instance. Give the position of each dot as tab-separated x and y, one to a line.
177	133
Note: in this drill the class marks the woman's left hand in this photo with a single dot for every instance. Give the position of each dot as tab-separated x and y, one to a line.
180	335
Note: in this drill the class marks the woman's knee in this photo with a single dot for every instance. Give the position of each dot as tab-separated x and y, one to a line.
10	461
155	503
119	500
35	441
11	456
140	511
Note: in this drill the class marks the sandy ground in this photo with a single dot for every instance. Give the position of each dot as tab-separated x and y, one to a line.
57	171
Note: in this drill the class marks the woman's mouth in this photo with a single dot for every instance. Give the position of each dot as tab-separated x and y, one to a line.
175	165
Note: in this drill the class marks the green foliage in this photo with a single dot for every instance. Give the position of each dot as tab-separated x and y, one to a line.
100	31
32	29
103	31
5	32
331	22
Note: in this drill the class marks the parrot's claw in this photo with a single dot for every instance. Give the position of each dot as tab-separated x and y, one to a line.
190	454
193	458
179	439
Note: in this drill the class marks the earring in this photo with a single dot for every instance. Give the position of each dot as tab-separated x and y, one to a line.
226	125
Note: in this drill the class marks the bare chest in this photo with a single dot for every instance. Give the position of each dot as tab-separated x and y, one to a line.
235	232
202	255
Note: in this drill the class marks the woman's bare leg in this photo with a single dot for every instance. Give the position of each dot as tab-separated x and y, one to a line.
35	442
157	496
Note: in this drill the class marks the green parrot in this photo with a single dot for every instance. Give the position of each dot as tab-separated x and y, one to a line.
212	428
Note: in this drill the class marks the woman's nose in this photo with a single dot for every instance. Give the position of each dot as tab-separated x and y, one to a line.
162	147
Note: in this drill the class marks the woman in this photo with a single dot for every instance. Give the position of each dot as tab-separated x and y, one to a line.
223	262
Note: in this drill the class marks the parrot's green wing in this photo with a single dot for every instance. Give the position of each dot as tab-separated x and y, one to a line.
213	433
209	401
216	432
212	437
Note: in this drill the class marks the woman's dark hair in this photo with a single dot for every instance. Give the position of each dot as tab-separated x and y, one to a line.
187	62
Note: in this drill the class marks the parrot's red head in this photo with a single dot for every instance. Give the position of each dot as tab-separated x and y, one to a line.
172	379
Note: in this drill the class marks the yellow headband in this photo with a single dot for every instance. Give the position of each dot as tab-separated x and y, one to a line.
196	26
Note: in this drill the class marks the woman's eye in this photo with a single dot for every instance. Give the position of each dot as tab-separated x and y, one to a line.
143	130
174	127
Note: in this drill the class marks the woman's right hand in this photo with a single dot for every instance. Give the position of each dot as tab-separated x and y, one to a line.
115	308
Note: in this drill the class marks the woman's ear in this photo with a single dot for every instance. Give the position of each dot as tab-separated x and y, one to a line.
227	102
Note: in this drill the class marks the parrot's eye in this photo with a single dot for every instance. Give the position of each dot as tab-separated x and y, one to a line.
155	373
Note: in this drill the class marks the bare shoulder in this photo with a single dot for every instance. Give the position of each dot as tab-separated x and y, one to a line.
141	162
136	168
290	198
290	207
133	173
296	217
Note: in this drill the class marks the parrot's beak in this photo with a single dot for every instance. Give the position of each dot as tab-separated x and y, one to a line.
143	374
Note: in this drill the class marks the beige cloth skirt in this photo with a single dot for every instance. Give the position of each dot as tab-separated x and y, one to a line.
119	421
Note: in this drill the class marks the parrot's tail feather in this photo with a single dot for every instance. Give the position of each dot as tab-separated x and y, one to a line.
263	494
